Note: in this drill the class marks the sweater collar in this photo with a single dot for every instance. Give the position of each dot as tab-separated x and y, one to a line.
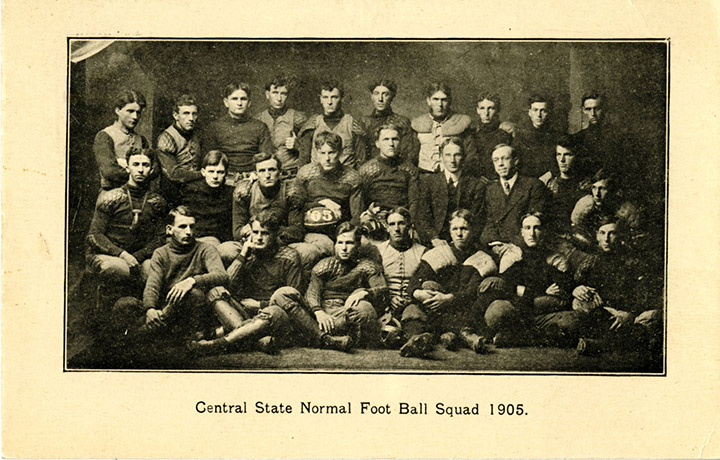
274	113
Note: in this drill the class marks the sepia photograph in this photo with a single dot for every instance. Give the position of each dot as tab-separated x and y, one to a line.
457	206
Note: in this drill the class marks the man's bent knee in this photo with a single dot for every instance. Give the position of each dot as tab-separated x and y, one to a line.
500	314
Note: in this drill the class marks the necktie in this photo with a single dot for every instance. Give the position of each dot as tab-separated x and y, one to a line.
507	188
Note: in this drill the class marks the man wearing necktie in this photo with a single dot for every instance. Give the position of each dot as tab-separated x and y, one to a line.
508	199
445	191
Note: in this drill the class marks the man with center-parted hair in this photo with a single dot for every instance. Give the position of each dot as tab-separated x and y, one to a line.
236	134
334	120
125	230
267	191
211	202
284	124
566	186
330	193
444	292
432	128
382	94
346	290
508	199
262	305
535	139
488	132
181	272
445	191
178	146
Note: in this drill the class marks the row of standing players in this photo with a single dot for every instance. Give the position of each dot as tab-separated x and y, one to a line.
326	192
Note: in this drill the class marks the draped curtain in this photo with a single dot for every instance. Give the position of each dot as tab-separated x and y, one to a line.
83	49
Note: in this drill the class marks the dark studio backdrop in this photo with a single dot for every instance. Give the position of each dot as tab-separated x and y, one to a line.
632	75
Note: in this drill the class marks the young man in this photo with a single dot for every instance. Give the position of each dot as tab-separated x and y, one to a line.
330	193
614	299
181	272
267	192
400	259
566	186
386	180
345	291
487	133
535	140
113	143
125	229
263	304
179	145
508	199
445	191
533	294
333	120
211	201
604	201
444	292
236	134
284	124
433	128
382	94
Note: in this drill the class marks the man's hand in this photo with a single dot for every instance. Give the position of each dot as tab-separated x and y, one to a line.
584	293
397	303
130	260
330	204
177	292
354	298
553	289
423	294
621	318
248	246
326	322
437	242
154	319
290	141
251	304
439	302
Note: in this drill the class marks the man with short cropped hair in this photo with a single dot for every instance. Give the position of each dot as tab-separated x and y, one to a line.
236	134
443	192
267	191
382	94
336	121
181	272
487	132
284	124
440	123
125	230
178	146
566	186
535	139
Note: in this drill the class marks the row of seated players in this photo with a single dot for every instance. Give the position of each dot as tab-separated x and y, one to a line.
123	236
291	134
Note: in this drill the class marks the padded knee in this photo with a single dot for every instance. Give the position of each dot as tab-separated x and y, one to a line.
275	315
500	314
218	293
366	312
413	312
195	298
112	269
285	296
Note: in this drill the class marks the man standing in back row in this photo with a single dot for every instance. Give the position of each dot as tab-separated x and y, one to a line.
382	94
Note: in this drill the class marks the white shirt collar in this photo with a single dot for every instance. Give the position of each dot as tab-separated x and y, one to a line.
510	181
455	177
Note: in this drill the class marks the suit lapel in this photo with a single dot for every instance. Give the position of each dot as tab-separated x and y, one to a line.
516	193
441	191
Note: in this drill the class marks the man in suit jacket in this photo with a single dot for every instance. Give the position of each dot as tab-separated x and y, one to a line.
444	191
508	199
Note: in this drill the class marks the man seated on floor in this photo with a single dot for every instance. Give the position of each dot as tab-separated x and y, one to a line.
211	202
330	193
400	259
613	299
334	120
267	191
533	295
444	291
125	230
386	181
345	291
179	145
263	305
181	273
445	191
